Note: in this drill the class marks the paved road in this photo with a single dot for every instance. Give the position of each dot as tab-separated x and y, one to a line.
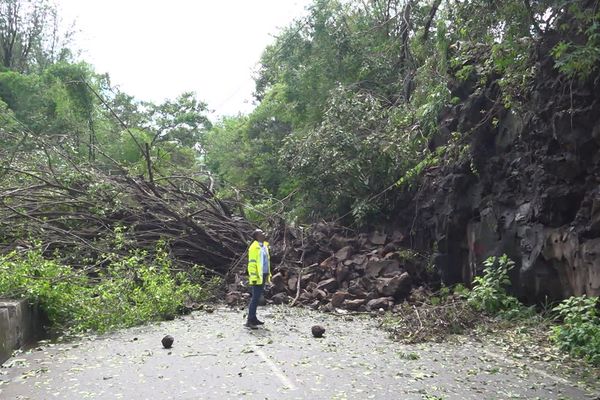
214	357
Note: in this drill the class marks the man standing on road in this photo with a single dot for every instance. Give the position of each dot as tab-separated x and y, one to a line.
259	273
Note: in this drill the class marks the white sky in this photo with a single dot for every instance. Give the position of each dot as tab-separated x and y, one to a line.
157	49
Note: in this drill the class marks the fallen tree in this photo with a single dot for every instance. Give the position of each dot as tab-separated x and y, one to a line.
80	212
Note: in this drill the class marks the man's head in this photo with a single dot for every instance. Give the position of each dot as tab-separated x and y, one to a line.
258	235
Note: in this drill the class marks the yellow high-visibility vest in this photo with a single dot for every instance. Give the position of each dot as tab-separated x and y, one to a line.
255	264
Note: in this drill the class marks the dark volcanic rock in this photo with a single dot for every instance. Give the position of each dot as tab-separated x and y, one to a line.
344	253
280	298
278	282
529	188
353	304
381	302
329	285
397	287
338	299
377	268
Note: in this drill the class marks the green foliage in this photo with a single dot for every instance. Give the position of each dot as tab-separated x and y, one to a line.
129	292
580	60
489	291
411	176
579	334
351	95
350	156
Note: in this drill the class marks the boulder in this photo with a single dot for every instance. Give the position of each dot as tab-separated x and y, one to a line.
278	282
344	253
330	285
378	238
389	248
353	304
381	302
397	287
233	298
328	263
280	298
357	291
338	298
338	242
292	283
377	268
359	260
319	294
342	272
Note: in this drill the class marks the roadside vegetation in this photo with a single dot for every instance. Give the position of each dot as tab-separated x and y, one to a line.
572	325
128	291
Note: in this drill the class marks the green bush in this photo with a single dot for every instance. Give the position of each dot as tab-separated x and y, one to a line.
580	332
130	291
489	291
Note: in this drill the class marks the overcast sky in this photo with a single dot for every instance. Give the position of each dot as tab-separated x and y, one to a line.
156	49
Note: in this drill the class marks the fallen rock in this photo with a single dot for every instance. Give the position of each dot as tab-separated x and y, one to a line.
280	298
377	268
344	253
328	263
397	287
377	238
278	282
353	304
329	285
359	261
357	291
233	298
389	248
342	272
167	341
318	331
338	298
292	283
338	242
381	302
319	294
307	278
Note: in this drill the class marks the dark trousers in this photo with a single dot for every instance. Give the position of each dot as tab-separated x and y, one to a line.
257	291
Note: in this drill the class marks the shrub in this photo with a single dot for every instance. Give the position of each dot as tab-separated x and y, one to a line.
580	332
489	291
130	291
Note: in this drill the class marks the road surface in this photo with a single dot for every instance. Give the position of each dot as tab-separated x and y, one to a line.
215	357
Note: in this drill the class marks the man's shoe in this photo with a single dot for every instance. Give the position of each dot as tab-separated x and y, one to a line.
257	322
250	325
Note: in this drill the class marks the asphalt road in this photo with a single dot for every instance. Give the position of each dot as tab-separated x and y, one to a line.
215	357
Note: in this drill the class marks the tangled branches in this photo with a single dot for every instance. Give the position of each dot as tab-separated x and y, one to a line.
80	212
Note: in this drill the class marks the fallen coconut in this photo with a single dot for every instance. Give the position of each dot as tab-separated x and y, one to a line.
167	341
318	331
